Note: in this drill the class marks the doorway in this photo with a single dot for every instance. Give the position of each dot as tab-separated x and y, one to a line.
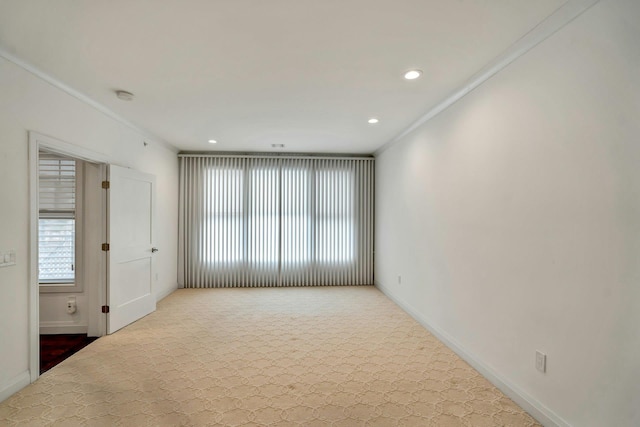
113	260
67	207
68	267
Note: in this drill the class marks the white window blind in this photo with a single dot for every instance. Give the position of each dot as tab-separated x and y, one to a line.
56	225
252	221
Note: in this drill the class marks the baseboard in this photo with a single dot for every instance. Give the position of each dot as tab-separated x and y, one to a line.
54	328
534	407
14	385
162	295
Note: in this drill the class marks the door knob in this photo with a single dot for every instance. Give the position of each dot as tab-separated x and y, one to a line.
154	250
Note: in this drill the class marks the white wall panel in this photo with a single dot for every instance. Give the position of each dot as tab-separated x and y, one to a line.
513	218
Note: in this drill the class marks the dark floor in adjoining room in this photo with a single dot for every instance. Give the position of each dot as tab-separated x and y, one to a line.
55	348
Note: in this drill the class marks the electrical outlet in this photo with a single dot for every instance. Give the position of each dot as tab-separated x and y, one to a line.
71	305
8	258
541	362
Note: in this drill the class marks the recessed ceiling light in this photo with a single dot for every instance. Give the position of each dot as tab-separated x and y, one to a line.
212	141
124	95
412	74
372	121
277	145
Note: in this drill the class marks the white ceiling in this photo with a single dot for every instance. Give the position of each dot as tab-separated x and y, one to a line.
249	73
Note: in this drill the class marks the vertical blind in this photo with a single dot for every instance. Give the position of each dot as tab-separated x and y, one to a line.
261	221
56	224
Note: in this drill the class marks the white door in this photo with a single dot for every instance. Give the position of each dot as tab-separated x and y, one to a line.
131	237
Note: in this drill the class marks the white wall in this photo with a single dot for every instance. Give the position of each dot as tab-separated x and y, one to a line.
28	103
514	220
54	318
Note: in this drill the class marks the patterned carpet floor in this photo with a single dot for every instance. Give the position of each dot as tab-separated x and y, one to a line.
329	356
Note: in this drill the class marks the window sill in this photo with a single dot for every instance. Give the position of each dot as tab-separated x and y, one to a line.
60	288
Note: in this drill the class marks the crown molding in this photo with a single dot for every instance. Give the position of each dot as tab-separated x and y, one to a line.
562	16
85	98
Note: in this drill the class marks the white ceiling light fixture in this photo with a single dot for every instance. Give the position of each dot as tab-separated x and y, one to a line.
373	121
213	141
412	74
124	95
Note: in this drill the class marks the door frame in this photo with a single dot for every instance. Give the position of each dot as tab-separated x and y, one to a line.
37	142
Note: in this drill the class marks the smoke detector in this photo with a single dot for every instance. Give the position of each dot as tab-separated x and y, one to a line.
124	95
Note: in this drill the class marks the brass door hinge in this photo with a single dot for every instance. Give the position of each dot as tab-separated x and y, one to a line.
105	308
106	185
105	247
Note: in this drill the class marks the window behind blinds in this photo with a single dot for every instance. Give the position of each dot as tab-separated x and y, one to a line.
57	220
252	221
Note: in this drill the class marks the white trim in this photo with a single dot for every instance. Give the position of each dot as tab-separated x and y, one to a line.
36	142
62	327
533	406
71	150
95	234
84	98
164	294
549	26
34	286
14	385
